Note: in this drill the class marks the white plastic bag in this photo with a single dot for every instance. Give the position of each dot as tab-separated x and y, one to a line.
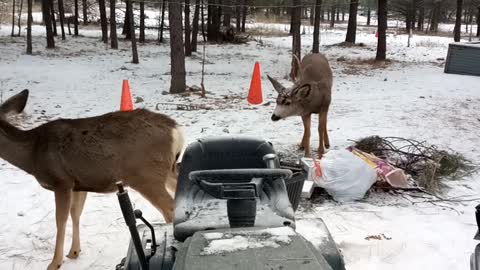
344	176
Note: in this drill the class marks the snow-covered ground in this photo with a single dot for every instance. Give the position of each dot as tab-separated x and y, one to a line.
410	97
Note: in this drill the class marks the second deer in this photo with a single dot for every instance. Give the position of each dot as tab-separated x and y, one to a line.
74	156
309	94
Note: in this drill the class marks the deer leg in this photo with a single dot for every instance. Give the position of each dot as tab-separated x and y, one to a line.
62	207
325	131
321	133
159	197
305	144
75	212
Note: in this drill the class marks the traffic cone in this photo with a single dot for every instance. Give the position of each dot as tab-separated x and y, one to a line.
255	96
126	102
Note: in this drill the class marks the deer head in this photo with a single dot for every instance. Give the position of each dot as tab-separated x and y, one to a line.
290	101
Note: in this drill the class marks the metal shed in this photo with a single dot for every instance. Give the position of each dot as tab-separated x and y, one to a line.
463	58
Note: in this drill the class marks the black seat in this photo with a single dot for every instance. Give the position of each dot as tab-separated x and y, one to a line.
196	210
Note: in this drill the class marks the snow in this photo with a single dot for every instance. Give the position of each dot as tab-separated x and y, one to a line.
230	242
410	96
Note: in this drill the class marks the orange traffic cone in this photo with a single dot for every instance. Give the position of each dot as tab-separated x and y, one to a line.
126	102
255	93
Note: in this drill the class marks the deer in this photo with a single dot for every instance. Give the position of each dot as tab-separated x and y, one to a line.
72	157
309	94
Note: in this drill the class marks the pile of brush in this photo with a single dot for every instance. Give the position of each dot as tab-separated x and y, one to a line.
427	164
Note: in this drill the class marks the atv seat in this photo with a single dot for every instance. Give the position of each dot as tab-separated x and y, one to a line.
196	210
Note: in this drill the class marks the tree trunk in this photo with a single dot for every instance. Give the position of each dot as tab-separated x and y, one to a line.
435	17
141	38
13	18
244	15
177	55
132	32
195	25
332	17
20	17
126	24
478	22
238	17
458	21
296	38
369	13
188	44
48	23
202	15
352	22
113	26
103	20
421	17
343	14
382	29
316	27
163	20
85	15
212	16
75	21
338	14
465	19
54	23
29	27
61	14
227	12
312	15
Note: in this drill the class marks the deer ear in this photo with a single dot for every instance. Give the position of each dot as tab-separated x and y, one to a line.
280	88
304	91
15	103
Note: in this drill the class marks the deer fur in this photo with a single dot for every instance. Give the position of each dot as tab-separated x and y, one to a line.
74	156
309	94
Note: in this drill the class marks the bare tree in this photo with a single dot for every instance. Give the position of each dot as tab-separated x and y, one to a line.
20	17
238	17
29	27
177	55
458	21
13	19
132	33
126	24
48	23
352	22
316	27
188	44
369	15
382	29
163	20
113	26
61	14
421	15
244	15
103	20
195	25
332	16
478	21
76	19
84	7
203	21
296	38
54	23
227	12
142	22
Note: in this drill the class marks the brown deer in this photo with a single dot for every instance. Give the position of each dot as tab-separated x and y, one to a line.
309	94
74	156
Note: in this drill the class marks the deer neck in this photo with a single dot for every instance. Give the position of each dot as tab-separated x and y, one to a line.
16	146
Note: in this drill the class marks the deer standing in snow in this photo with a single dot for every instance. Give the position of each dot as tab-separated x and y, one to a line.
74	156
310	94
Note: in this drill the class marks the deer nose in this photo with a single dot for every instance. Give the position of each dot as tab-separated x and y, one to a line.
275	118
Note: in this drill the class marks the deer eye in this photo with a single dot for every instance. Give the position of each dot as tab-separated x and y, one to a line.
287	102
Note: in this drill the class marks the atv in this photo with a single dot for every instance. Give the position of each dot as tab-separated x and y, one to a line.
232	211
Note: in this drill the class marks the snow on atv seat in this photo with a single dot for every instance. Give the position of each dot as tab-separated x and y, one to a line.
220	243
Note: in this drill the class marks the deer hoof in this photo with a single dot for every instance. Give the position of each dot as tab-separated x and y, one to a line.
73	254
54	266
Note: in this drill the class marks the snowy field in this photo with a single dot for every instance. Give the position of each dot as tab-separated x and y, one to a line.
410	97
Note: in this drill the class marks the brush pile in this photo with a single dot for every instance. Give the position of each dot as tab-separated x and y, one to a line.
428	165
